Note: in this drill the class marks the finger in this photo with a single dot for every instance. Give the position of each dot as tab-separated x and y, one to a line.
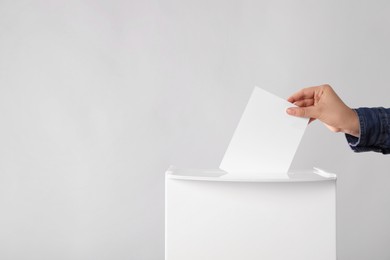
306	112
311	120
304	93
304	103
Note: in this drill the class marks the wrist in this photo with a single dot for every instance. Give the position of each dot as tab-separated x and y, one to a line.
353	124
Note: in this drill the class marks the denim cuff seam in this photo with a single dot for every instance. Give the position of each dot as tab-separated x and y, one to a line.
362	129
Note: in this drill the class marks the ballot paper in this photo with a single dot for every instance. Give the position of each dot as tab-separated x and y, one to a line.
266	138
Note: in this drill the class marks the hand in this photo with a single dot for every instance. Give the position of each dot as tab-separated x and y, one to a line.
322	103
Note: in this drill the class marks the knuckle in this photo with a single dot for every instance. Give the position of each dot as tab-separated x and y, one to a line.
303	112
326	87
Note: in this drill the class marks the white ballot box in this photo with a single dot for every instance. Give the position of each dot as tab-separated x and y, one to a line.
211	215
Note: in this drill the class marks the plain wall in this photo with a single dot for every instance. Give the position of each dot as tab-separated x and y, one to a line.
98	98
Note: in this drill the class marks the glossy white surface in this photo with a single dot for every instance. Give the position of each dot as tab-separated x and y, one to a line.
211	218
266	138
220	175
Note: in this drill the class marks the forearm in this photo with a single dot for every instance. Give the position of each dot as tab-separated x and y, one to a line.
374	131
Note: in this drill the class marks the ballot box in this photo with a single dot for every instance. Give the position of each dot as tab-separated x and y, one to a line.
212	215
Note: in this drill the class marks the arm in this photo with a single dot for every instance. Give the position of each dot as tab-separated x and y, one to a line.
374	131
366	129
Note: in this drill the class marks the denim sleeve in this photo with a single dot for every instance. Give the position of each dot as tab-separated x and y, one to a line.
374	131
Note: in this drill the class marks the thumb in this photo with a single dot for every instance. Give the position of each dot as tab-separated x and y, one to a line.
307	112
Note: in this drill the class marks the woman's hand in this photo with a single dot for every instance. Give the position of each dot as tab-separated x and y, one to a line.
322	103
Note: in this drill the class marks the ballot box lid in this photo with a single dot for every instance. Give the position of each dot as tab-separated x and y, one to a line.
312	175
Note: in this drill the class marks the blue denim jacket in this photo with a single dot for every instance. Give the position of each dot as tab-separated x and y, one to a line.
374	131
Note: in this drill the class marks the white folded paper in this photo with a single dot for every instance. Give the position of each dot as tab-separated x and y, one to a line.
266	138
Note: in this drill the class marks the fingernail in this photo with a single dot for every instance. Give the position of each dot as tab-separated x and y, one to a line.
290	111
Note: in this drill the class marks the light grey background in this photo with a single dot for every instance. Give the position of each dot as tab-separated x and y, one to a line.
98	98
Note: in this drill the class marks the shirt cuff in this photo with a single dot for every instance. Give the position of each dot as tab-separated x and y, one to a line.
370	131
